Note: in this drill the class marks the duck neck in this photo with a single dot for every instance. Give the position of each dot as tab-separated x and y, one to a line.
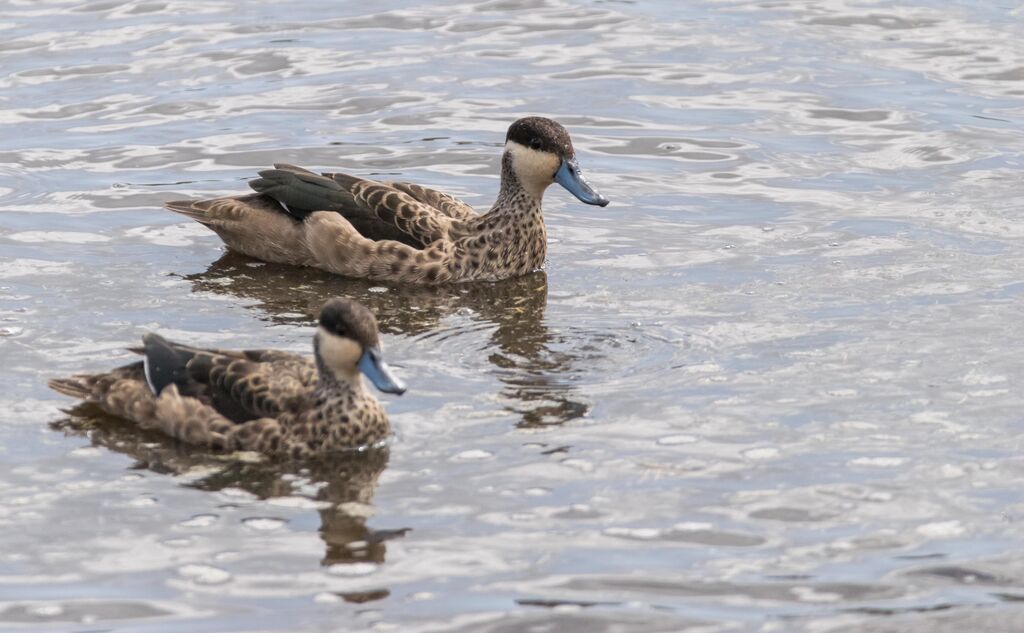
511	237
514	196
331	382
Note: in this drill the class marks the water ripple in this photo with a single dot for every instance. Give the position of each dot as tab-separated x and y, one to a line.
772	382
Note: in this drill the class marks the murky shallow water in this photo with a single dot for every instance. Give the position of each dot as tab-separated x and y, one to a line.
771	388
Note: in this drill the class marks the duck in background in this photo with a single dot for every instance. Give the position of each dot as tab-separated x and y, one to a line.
397	231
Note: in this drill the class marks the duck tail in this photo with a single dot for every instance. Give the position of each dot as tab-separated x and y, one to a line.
194	209
79	386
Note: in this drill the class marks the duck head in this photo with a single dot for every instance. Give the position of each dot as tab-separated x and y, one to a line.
347	342
541	153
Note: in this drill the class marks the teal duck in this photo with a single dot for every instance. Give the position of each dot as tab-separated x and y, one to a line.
399	231
269	401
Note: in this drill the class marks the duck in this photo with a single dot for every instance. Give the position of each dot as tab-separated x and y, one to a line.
398	231
273	402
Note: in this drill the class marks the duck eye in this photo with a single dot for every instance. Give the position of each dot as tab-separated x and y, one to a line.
535	143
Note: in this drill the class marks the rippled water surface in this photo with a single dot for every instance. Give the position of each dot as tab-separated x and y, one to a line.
772	387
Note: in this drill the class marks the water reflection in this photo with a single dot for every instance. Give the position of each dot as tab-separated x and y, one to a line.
346	483
535	364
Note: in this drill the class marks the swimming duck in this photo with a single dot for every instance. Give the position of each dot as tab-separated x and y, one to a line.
269	401
398	231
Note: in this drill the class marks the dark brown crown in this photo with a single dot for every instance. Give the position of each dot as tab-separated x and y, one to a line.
350	319
542	134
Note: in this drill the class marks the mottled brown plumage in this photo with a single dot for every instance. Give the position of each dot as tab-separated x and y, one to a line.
269	401
403	232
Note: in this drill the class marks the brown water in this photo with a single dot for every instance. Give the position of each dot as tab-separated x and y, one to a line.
772	387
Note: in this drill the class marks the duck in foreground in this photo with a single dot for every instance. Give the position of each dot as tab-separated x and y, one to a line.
269	401
399	231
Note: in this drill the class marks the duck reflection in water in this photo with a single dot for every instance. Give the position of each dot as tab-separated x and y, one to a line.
535	364
346	482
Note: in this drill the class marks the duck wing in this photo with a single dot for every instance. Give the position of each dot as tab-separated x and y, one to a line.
240	386
377	210
243	390
447	204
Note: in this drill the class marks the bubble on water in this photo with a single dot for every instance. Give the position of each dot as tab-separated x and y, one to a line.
941	529
143	502
237	494
761	453
263	524
842	393
326	597
85	451
352	569
48	610
675	440
227	556
199	521
581	465
205	574
298	502
473	454
639	534
810	594
951	471
50	237
878	462
183	234
82	484
692	526
577	511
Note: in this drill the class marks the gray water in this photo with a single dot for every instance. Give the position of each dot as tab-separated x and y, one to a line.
772	387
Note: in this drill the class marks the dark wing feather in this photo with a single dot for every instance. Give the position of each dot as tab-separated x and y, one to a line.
302	192
257	355
240	385
165	364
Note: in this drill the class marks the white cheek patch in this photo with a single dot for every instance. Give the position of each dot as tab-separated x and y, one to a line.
534	168
340	354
